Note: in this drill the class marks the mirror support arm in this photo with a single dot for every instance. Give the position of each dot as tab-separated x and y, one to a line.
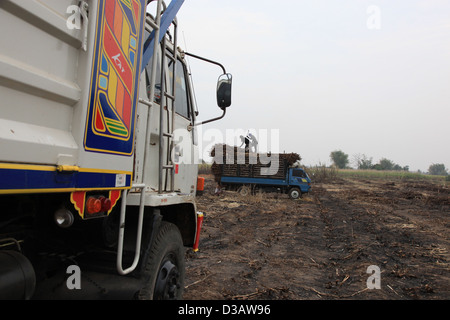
207	60
211	120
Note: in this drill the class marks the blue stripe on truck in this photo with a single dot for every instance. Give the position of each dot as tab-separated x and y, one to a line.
25	180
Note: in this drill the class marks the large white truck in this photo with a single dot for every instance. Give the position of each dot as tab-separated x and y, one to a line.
97	150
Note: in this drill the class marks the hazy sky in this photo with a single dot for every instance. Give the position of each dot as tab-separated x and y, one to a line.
364	77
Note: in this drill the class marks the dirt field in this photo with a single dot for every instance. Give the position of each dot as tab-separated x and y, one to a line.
269	247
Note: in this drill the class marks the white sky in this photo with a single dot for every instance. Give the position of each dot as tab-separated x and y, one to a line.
316	72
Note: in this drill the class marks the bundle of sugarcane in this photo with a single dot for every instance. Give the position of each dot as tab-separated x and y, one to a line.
234	161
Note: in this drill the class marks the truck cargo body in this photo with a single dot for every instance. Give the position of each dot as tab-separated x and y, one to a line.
269	173
295	181
85	137
63	127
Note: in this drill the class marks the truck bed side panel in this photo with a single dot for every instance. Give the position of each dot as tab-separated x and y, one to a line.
63	104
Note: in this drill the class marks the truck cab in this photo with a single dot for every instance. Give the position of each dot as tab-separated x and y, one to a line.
299	182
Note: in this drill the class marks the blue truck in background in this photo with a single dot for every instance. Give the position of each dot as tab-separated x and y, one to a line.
295	183
246	179
247	172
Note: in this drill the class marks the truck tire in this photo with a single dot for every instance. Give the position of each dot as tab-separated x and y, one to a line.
294	193
244	191
164	270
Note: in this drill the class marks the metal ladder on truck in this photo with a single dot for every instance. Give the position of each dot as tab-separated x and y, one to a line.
165	16
167	165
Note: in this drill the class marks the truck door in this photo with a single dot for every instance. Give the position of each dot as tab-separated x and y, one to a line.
298	176
301	179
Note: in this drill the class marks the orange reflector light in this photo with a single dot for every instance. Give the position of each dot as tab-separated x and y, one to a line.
200	183
199	227
93	205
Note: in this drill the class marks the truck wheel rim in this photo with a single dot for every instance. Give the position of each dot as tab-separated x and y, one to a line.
295	194
167	283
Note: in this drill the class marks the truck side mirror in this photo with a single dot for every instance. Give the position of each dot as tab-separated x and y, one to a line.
224	91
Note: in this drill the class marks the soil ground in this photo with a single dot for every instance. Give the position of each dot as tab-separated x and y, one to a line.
269	247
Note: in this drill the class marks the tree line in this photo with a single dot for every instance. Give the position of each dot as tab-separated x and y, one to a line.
361	161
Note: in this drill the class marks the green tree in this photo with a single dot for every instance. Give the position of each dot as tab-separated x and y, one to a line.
386	164
437	169
339	158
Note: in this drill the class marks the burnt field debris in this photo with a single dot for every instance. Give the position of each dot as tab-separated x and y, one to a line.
267	246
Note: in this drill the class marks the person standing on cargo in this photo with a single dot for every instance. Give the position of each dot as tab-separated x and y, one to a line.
253	143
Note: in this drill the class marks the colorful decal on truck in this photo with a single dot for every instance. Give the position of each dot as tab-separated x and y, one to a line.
115	77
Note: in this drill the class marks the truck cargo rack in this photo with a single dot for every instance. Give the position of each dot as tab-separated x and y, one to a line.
166	96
